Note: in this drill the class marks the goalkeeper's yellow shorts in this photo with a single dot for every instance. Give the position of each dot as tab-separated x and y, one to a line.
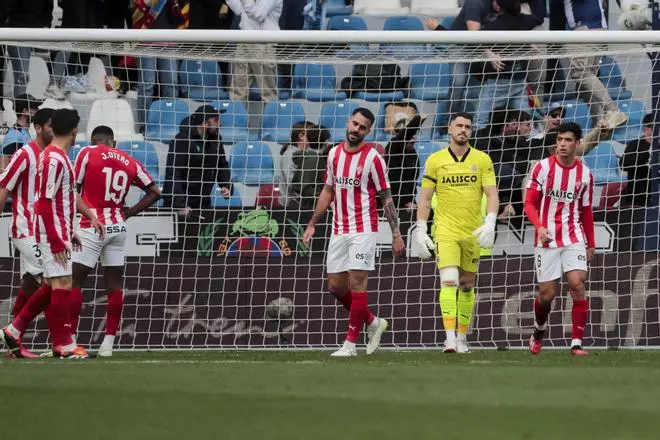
463	252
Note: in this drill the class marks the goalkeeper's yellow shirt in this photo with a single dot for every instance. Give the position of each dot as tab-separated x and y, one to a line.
458	184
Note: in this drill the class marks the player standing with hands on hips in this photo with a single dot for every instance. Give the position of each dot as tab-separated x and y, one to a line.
558	204
459	176
356	175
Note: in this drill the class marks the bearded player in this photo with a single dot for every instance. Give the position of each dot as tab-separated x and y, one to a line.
558	204
459	176
356	175
104	175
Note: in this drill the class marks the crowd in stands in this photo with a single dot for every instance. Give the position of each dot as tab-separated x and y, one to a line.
518	104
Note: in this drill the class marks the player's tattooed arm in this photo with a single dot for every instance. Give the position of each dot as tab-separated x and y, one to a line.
389	210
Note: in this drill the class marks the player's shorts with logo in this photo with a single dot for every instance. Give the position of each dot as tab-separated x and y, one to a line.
461	251
352	252
551	263
31	257
110	249
53	269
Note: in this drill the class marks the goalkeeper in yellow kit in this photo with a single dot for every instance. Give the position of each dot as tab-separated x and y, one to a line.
459	176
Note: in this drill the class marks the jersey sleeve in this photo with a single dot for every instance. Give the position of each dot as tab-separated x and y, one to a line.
14	170
430	176
536	177
142	179
487	172
51	178
329	175
379	173
80	168
588	192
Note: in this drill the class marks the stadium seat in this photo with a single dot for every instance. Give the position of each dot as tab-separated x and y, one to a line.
610	75
337	8
316	82
346	23
234	121
604	164
425	147
218	201
334	116
430	82
269	196
434	8
145	152
201	80
448	21
379	8
74	150
633	128
116	114
403	23
251	163
164	118
578	112
278	119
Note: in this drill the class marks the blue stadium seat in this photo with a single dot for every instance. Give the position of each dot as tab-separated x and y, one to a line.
604	164
234	121
447	21
74	150
337	8
633	128
403	23
347	23
218	201
430	82
316	82
164	118
610	75
201	80
334	116
578	112
251	163
278	119
425	147
145	152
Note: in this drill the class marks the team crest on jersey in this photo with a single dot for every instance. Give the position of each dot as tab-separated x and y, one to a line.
578	186
474	168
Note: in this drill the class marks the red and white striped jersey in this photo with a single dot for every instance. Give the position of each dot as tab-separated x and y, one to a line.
20	179
564	192
357	178
106	174
55	181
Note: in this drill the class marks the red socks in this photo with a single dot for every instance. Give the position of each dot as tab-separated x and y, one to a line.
541	311
113	312
357	315
36	303
20	302
579	315
75	307
59	319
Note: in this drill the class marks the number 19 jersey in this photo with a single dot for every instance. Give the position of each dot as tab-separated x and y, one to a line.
106	174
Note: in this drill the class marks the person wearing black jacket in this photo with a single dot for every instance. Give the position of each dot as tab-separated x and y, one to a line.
196	161
636	161
403	163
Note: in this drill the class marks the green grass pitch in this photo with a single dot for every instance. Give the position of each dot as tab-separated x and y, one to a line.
306	395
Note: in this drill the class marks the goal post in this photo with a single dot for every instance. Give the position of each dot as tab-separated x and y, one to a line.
234	272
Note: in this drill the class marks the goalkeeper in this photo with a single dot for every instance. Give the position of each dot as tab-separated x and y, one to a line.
458	175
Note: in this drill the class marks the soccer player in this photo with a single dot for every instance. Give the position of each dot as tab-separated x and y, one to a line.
356	175
18	181
104	175
54	216
558	204
459	176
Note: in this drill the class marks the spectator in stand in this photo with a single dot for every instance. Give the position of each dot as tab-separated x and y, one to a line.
196	161
403	162
18	135
256	15
157	14
309	169
292	19
584	15
636	161
299	142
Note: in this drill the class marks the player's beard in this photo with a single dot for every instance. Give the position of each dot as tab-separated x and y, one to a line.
461	142
355	143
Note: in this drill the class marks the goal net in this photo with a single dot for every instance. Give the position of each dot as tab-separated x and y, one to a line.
209	269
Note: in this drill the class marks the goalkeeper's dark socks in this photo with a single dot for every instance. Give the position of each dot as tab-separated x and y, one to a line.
541	311
357	315
75	306
36	304
579	314
113	312
20	302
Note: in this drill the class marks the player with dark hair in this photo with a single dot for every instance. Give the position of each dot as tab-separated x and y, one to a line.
559	205
104	174
356	175
459	176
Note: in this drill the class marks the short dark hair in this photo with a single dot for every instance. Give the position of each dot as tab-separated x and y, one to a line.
570	127
366	113
64	121
105	133
460	115
42	116
648	119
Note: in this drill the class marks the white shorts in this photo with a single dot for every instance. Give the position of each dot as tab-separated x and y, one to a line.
352	252
551	263
53	269
110	249
31	258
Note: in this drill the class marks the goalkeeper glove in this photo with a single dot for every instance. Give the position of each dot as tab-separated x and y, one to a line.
486	233
423	241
